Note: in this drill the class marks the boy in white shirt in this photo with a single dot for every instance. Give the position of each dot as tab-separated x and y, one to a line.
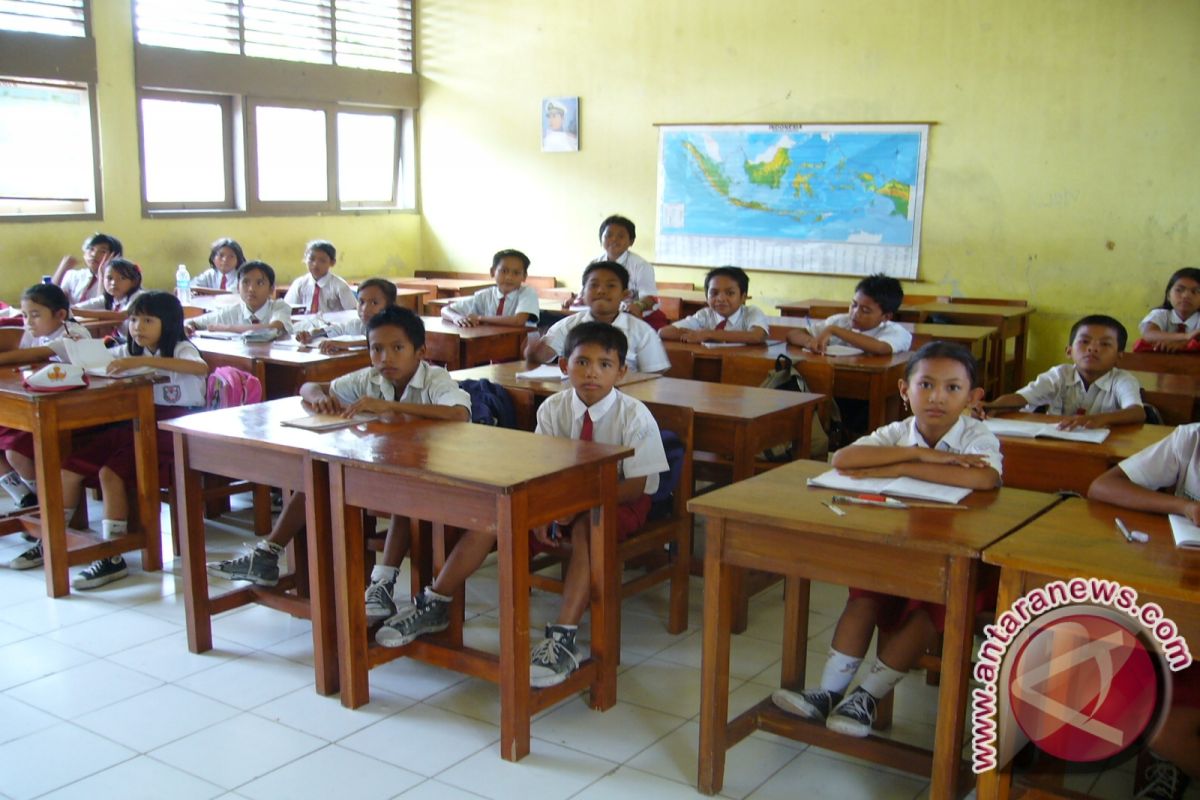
1091	391
84	283
868	326
726	318
258	310
509	302
320	290
374	295
617	235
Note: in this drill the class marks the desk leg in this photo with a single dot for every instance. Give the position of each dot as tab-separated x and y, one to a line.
714	665
351	614
956	664
876	402
320	575
47	457
145	445
512	542
606	593
1019	349
743	468
189	496
996	784
795	632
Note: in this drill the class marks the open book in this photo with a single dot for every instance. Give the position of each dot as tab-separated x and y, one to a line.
842	350
1186	534
897	487
94	357
328	422
546	372
1047	430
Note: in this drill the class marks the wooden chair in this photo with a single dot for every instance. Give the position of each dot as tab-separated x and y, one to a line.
675	285
663	546
682	363
752	371
10	338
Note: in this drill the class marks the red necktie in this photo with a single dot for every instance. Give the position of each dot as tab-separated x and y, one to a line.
721	325
92	283
500	308
224	277
253	320
585	432
1181	328
315	305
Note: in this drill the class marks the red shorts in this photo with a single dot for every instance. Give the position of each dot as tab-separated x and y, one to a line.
112	447
895	610
630	519
13	439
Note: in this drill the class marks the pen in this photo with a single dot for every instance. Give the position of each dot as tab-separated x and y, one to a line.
889	502
1131	536
834	509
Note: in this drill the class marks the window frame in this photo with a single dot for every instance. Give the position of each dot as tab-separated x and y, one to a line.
398	171
229	155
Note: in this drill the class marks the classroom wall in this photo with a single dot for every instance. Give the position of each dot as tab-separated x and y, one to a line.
1062	165
367	244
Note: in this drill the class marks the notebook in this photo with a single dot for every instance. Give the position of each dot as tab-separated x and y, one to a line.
842	350
1045	430
897	487
546	372
328	422
1186	534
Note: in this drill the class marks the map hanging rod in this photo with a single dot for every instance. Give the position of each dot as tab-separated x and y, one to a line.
797	125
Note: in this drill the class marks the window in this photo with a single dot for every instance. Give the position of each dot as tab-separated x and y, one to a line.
186	149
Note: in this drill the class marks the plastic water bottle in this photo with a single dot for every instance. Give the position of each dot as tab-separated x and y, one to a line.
47	279
183	284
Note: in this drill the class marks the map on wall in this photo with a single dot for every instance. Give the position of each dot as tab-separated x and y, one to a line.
840	199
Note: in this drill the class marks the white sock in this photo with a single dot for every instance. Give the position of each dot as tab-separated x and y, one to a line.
13	484
270	547
432	595
381	573
881	680
839	671
112	528
31	483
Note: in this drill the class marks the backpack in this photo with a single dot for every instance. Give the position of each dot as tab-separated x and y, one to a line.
490	404
785	377
229	387
668	479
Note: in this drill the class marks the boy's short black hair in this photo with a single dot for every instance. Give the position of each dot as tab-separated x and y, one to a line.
951	350
114	244
736	274
402	318
624	222
1108	322
612	267
517	254
883	289
601	333
261	266
382	284
1191	273
324	245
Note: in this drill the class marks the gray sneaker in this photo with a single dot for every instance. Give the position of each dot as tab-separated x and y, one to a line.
29	559
260	567
425	615
854	715
814	704
1162	780
100	572
554	659
380	604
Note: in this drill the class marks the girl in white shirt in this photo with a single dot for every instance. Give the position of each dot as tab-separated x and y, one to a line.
1174	325
122	284
224	259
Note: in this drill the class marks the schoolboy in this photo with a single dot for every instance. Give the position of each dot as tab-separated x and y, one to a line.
509	302
84	283
868	326
374	295
1090	391
258	310
617	235
592	409
604	285
726	318
320	290
397	382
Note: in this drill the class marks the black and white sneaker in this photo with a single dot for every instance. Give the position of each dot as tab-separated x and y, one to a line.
854	715
814	704
555	658
259	566
29	559
100	572
380	604
27	502
425	615
1162	780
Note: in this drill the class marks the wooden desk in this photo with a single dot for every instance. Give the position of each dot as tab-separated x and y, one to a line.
1175	395
444	287
281	367
1079	538
680	303
771	522
1174	363
51	417
1054	465
1011	321
506	375
421	472
468	347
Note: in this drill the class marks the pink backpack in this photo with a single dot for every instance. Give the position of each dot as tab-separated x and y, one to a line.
229	387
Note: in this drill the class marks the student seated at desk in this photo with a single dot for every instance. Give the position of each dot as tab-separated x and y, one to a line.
258	310
592	410
397	382
224	258
617	235
1175	325
868	326
726	318
605	283
1091	391
1172	464
84	283
509	302
936	444
374	295
122	285
320	290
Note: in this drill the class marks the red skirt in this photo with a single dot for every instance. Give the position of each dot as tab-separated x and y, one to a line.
630	519
895	610
112	446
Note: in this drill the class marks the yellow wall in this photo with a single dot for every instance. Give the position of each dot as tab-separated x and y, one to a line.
1062	168
380	244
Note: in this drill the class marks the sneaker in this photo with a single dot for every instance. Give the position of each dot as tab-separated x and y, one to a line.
29	559
854	715
425	615
28	501
100	572
814	704
380	604
1162	780
260	567
554	659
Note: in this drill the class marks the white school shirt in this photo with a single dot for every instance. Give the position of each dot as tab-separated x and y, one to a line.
966	437
1173	461
211	279
70	329
616	419
319	327
429	386
888	331
743	319
1062	389
180	388
1167	319
97	303
336	294
78	285
646	351
641	274
239	314
486	302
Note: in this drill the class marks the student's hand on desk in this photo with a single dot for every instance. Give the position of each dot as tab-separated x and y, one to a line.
634	309
570	301
694	337
1170	347
368	405
1078	422
884	471
928	455
189	328
821	340
979	411
323	403
469	321
122	364
1192	512
304	337
328	346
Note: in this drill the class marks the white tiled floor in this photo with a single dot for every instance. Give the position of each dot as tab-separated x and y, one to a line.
99	697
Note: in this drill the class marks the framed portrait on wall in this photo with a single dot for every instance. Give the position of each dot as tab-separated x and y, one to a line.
560	124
